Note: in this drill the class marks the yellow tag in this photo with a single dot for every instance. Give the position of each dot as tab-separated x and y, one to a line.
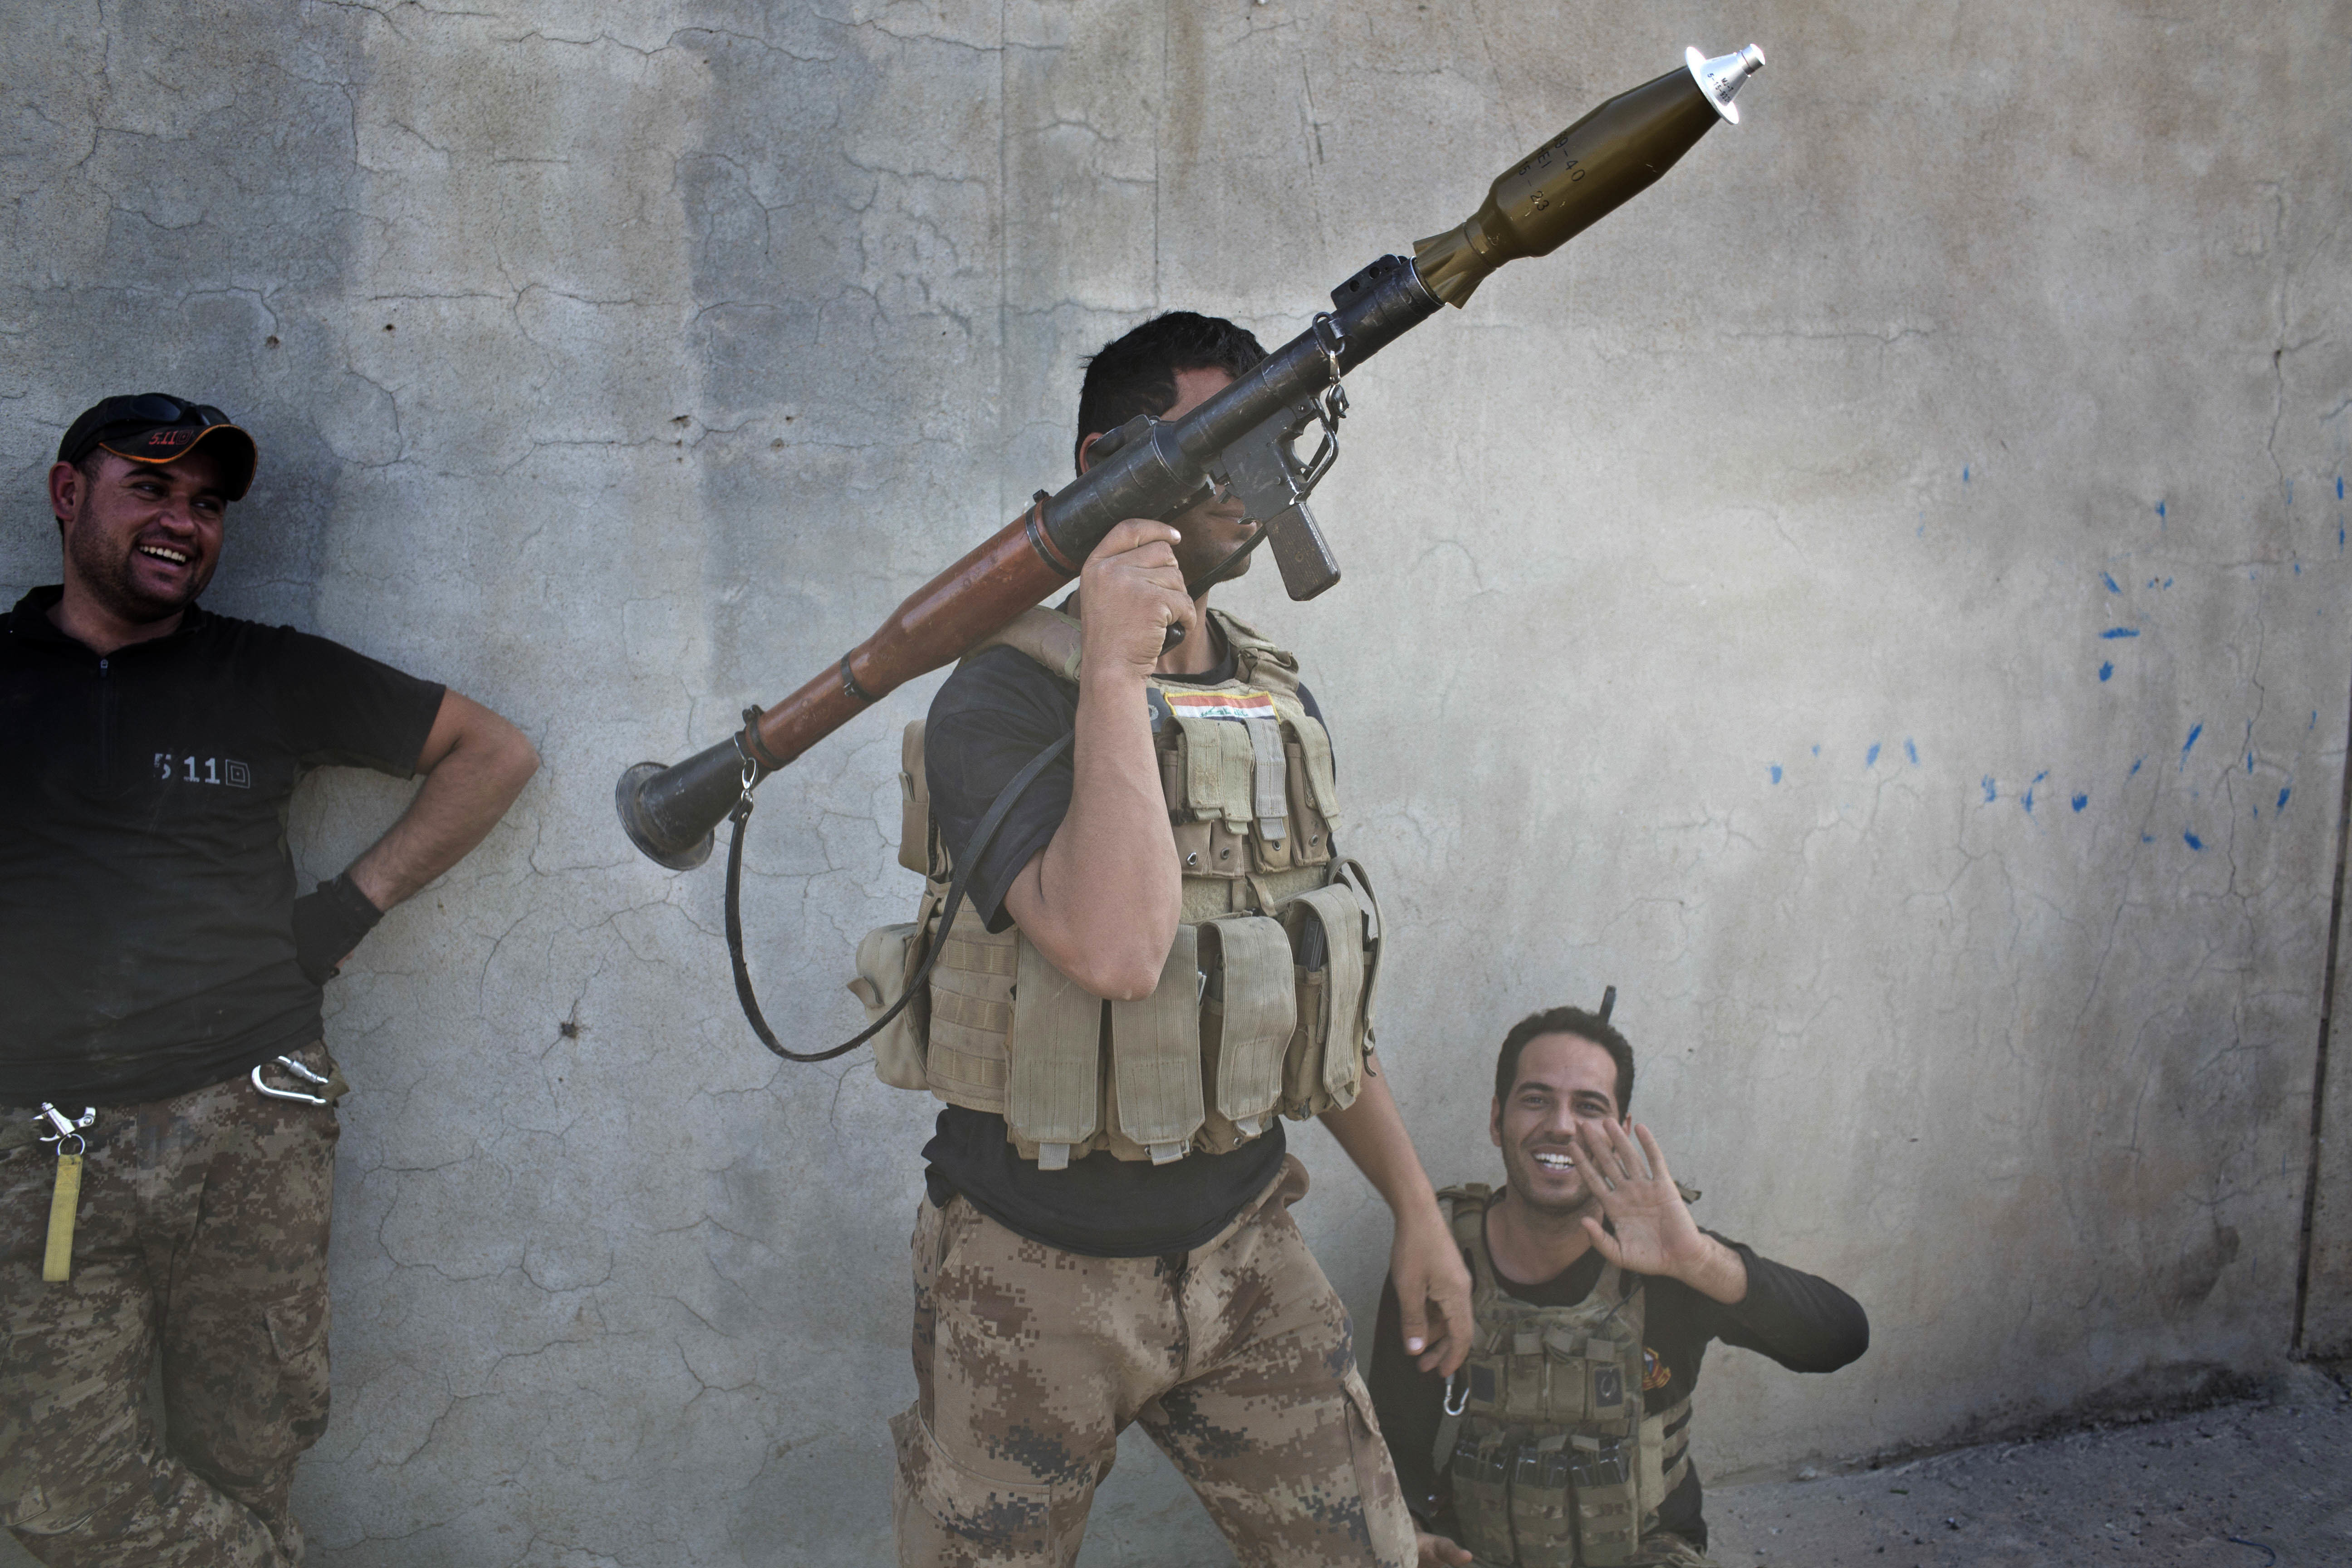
57	1264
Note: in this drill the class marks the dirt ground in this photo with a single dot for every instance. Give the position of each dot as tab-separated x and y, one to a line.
2262	1483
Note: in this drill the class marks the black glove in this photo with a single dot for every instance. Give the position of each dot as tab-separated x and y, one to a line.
328	924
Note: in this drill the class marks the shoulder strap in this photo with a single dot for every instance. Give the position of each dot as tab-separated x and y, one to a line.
1048	637
1255	659
982	836
1468	1215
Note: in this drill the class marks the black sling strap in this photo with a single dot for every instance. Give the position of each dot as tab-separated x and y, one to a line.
982	836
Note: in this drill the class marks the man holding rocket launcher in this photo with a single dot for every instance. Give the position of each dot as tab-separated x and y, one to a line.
1163	952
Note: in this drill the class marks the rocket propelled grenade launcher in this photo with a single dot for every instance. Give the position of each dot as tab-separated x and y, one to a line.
1242	440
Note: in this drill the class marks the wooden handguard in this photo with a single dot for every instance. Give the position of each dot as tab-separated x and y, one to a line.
937	622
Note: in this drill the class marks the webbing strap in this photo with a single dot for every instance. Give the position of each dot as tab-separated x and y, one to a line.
998	958
1270	795
982	836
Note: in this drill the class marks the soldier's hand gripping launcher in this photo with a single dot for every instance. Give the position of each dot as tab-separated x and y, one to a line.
1242	440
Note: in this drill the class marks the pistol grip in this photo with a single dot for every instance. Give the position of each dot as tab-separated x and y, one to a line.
1307	567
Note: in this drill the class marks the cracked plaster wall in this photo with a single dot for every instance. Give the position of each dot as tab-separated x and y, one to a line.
1878	600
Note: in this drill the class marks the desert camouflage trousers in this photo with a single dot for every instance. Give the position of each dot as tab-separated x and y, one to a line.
1236	1357
203	1231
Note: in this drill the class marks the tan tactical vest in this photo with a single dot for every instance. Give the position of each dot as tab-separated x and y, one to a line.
1552	1460
1264	1004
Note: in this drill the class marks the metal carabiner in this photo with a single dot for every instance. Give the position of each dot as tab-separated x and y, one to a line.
299	1070
1453	1406
66	1128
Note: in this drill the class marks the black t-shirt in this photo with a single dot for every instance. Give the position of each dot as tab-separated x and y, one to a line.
991	718
1800	1321
146	892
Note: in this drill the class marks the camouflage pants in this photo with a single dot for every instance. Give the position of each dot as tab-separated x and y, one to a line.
1236	1357
203	1230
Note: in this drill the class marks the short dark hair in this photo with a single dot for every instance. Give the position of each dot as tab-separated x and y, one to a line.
1136	374
1567	1021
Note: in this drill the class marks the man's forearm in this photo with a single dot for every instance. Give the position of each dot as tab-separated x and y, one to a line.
1102	899
1372	1132
466	793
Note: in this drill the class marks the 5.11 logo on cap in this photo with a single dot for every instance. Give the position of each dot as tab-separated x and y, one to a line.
174	768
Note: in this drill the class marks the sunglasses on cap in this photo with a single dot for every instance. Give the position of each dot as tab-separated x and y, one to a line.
156	428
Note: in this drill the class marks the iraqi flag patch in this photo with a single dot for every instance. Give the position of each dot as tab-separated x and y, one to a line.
1220	704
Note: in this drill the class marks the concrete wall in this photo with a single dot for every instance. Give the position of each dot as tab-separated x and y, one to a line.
1878	600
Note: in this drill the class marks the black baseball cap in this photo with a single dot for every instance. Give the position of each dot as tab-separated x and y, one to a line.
156	428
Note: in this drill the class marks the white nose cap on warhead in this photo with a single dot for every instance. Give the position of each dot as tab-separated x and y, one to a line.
1721	77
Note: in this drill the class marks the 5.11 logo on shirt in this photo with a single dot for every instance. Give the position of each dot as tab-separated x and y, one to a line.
173	767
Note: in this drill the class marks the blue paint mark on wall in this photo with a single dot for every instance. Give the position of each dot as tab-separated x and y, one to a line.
2134	767
2080	801
1912	751
2160	508
2112	633
2107	671
2194	730
2109	579
1776	772
2192	841
1870	758
1817	749
1988	788
2339	486
2283	794
2031	787
1964	473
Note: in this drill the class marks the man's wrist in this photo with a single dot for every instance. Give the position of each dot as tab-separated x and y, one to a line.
1416	1209
1716	1271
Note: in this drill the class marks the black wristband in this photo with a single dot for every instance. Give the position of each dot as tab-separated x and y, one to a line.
329	923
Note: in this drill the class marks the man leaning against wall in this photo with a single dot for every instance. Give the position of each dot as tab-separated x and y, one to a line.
160	1028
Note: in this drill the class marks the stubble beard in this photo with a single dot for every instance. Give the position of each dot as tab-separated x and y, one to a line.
1520	1172
110	580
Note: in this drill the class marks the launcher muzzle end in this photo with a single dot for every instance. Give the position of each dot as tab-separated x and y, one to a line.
1586	173
670	813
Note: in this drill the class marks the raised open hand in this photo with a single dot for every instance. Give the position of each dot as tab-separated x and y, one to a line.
1654	1231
